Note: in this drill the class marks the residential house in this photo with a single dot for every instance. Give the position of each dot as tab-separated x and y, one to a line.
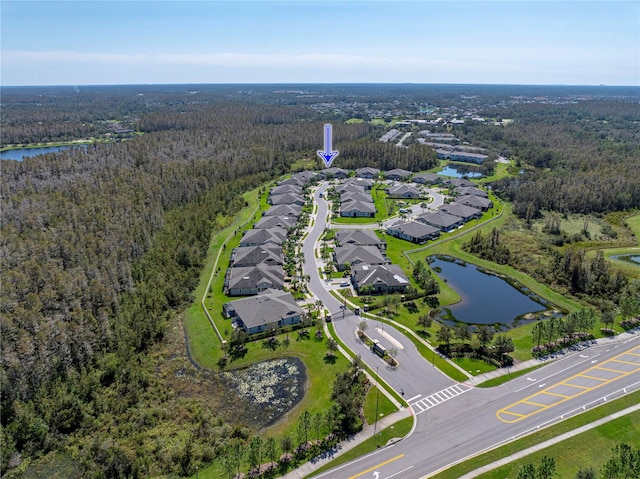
350	188
354	255
335	172
271	236
356	196
457	182
475	202
388	278
442	221
403	191
253	255
467	213
397	174
270	309
413	231
283	210
284	189
367	172
292	181
357	209
471	190
468	157
359	238
287	199
365	183
306	176
427	178
267	222
249	280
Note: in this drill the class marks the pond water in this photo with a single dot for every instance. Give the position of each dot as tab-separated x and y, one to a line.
22	153
486	299
449	171
269	389
629	258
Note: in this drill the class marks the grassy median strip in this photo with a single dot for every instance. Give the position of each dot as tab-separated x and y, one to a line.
570	424
591	448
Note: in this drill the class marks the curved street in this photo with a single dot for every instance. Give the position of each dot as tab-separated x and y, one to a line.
456	420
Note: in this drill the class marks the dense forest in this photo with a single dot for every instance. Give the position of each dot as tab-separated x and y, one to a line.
102	247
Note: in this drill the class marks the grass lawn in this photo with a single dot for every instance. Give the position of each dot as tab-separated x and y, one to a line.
474	366
399	429
385	407
570	424
591	448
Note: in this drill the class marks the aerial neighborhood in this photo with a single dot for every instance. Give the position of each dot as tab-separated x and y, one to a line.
256	273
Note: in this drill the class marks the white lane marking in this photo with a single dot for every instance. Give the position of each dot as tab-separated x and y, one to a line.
399	472
413	398
440	397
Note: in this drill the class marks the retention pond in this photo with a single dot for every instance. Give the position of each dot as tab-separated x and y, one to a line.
486	298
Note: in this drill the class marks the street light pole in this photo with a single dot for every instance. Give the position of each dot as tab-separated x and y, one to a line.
375	424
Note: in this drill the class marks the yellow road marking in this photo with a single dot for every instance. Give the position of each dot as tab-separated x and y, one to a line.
612	370
595	378
377	466
559	395
574	386
528	400
626	362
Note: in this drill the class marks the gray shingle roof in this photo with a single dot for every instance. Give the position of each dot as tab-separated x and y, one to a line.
389	275
414	229
266	308
474	201
463	211
354	254
252	276
273	221
358	237
253	255
358	206
284	210
439	219
263	236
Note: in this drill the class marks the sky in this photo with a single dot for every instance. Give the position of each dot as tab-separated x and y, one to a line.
83	42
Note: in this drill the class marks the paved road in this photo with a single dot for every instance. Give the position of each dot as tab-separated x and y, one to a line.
414	375
453	420
468	423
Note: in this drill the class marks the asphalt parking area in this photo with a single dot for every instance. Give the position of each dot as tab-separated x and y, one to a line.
611	370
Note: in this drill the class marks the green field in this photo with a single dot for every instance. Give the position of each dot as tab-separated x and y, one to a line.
591	448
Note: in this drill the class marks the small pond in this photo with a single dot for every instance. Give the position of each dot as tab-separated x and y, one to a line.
20	154
629	258
269	389
450	171
486	299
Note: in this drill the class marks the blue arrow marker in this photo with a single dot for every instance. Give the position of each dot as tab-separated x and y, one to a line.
327	155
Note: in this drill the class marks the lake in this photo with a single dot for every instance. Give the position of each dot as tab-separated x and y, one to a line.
22	153
486	299
629	258
449	171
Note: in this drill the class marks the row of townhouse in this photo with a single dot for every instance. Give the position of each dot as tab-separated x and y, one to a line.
256	265
371	271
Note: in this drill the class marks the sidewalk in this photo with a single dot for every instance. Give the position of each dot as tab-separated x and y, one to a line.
474	381
550	442
366	433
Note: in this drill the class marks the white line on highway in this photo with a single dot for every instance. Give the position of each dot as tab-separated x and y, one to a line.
414	397
557	372
399	472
